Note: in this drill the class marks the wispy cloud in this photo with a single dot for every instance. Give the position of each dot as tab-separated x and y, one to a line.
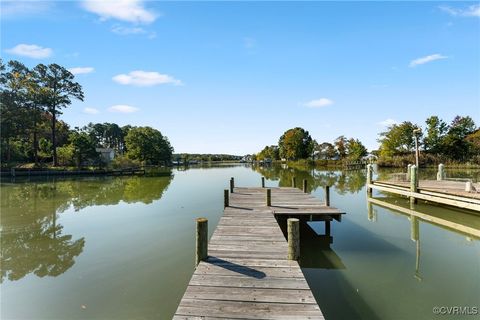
145	79
31	51
122	108
470	11
318	103
24	8
387	122
81	70
124	10
91	111
127	30
427	59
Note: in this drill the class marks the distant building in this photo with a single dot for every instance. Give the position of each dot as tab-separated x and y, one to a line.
106	154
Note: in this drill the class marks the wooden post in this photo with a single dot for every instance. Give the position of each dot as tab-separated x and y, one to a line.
413	182
225	198
369	178
414	230
294	182
409	171
327	227
202	240
12	172
263	182
305	190
232	184
269	197
293	232
327	196
468	186
441	172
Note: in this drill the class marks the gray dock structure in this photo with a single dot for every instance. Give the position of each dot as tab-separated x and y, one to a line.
247	274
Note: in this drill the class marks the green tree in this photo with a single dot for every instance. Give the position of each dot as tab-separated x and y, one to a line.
341	146
295	144
269	152
59	87
455	144
355	149
435	133
148	145
326	151
398	139
83	147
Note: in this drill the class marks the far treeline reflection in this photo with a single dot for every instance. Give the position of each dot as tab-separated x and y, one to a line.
343	181
32	240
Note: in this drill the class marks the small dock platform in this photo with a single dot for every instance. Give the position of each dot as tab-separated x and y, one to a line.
246	274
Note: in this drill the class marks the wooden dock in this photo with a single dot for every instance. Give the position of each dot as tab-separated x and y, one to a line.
247	274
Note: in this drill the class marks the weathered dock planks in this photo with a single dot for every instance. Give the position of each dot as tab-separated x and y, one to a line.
247	274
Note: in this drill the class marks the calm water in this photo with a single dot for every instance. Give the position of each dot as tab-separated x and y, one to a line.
123	247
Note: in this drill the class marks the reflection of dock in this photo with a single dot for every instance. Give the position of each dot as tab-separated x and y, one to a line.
460	222
247	273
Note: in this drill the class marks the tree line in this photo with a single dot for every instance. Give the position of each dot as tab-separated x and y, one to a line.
31	102
297	144
456	142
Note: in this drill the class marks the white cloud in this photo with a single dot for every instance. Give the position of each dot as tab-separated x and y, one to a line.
91	111
24	8
31	51
81	70
145	79
427	59
470	11
123	108
322	102
387	122
125	10
127	30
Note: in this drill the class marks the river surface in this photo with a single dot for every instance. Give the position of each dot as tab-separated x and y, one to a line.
123	247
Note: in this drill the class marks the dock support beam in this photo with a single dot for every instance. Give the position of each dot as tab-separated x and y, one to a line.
232	184
201	252
293	232
305	190
294	182
413	182
225	198
409	171
369	178
269	197
441	172
327	227
263	182
327	196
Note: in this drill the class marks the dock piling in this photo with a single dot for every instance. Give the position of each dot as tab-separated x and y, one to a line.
409	171
327	227
327	196
232	184
201	252
294	182
441	172
413	183
225	198
263	182
305	190
369	178
293	233
414	228
269	197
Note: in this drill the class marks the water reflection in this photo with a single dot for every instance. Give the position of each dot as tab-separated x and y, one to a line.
343	181
32	240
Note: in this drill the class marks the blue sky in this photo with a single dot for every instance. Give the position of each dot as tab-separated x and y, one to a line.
231	77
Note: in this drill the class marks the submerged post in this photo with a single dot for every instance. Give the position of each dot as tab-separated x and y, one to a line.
327	196
263	182
327	227
414	230
294	182
441	172
201	252
409	171
225	198
293	233
269	197
305	190
232	184
413	183
369	178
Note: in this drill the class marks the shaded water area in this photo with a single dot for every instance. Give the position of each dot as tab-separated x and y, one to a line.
123	247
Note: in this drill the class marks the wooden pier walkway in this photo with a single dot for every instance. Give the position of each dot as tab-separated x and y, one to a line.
247	274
